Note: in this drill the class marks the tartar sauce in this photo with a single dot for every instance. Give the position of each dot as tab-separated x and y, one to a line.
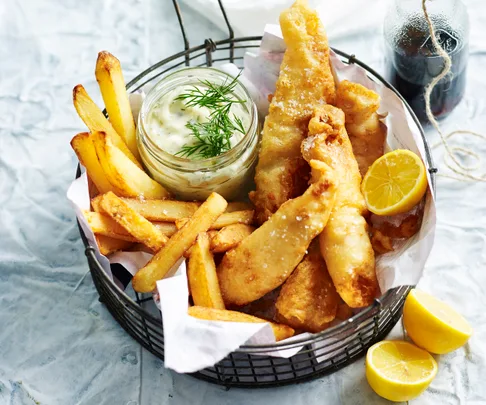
163	132
168	119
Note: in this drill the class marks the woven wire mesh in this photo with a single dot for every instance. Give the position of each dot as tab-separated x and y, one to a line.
250	365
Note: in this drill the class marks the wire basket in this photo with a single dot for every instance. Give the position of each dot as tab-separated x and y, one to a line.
250	365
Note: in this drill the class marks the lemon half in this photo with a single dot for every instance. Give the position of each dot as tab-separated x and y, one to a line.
434	325
394	183
399	371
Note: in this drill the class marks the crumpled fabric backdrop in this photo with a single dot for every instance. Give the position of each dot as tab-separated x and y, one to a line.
58	344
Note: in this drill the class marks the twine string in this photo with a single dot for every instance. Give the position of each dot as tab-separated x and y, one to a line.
451	157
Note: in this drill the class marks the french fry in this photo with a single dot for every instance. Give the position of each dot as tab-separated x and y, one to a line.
229	237
109	245
226	219
201	274
161	263
136	225
168	210
86	153
95	204
112	86
211	314
102	224
163	210
129	180
94	119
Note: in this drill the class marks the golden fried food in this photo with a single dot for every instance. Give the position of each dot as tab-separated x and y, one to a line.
387	229
137	226
102	224
128	179
211	314
201	275
94	119
266	258
112	85
366	132
345	244
226	219
157	268
308	300
109	245
83	145
401	226
229	237
305	80
381	243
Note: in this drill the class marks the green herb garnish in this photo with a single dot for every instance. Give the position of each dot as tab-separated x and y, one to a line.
212	138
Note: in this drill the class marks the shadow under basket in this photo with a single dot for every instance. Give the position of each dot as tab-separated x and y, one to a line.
322	353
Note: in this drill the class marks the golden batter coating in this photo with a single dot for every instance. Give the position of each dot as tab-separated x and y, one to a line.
345	243
305	81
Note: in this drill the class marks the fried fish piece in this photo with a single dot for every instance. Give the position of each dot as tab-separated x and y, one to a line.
345	243
366	132
308	300
305	80
267	257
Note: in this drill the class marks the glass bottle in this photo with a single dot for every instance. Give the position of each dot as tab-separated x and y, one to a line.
411	60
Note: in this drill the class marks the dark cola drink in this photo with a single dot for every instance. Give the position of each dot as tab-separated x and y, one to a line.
413	62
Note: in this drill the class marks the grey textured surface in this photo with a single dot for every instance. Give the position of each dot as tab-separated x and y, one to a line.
58	344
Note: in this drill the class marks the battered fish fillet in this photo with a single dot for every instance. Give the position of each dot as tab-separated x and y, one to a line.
308	300
305	81
345	244
266	258
366	133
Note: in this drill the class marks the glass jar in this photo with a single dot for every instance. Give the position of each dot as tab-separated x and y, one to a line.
229	174
412	61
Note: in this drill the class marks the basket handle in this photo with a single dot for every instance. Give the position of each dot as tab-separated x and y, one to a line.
209	42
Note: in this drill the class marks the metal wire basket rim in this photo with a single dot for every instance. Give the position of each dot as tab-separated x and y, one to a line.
328	333
209	44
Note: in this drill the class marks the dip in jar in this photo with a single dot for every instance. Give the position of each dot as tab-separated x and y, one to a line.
198	133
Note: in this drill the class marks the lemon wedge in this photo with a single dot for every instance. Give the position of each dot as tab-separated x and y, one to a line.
434	325
394	183
399	371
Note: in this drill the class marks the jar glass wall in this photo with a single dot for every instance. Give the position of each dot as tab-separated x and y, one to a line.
229	174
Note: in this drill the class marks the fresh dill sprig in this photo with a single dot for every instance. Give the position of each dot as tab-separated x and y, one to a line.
213	137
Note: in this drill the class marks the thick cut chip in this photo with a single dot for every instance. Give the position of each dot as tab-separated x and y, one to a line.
112	85
94	119
201	274
86	153
123	173
229	237
136	225
166	258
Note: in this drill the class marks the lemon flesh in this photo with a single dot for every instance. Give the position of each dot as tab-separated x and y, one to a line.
434	325
399	371
394	183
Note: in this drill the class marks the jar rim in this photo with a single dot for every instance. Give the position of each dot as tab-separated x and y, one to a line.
186	164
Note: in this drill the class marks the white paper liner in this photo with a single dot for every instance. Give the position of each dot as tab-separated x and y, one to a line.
193	344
